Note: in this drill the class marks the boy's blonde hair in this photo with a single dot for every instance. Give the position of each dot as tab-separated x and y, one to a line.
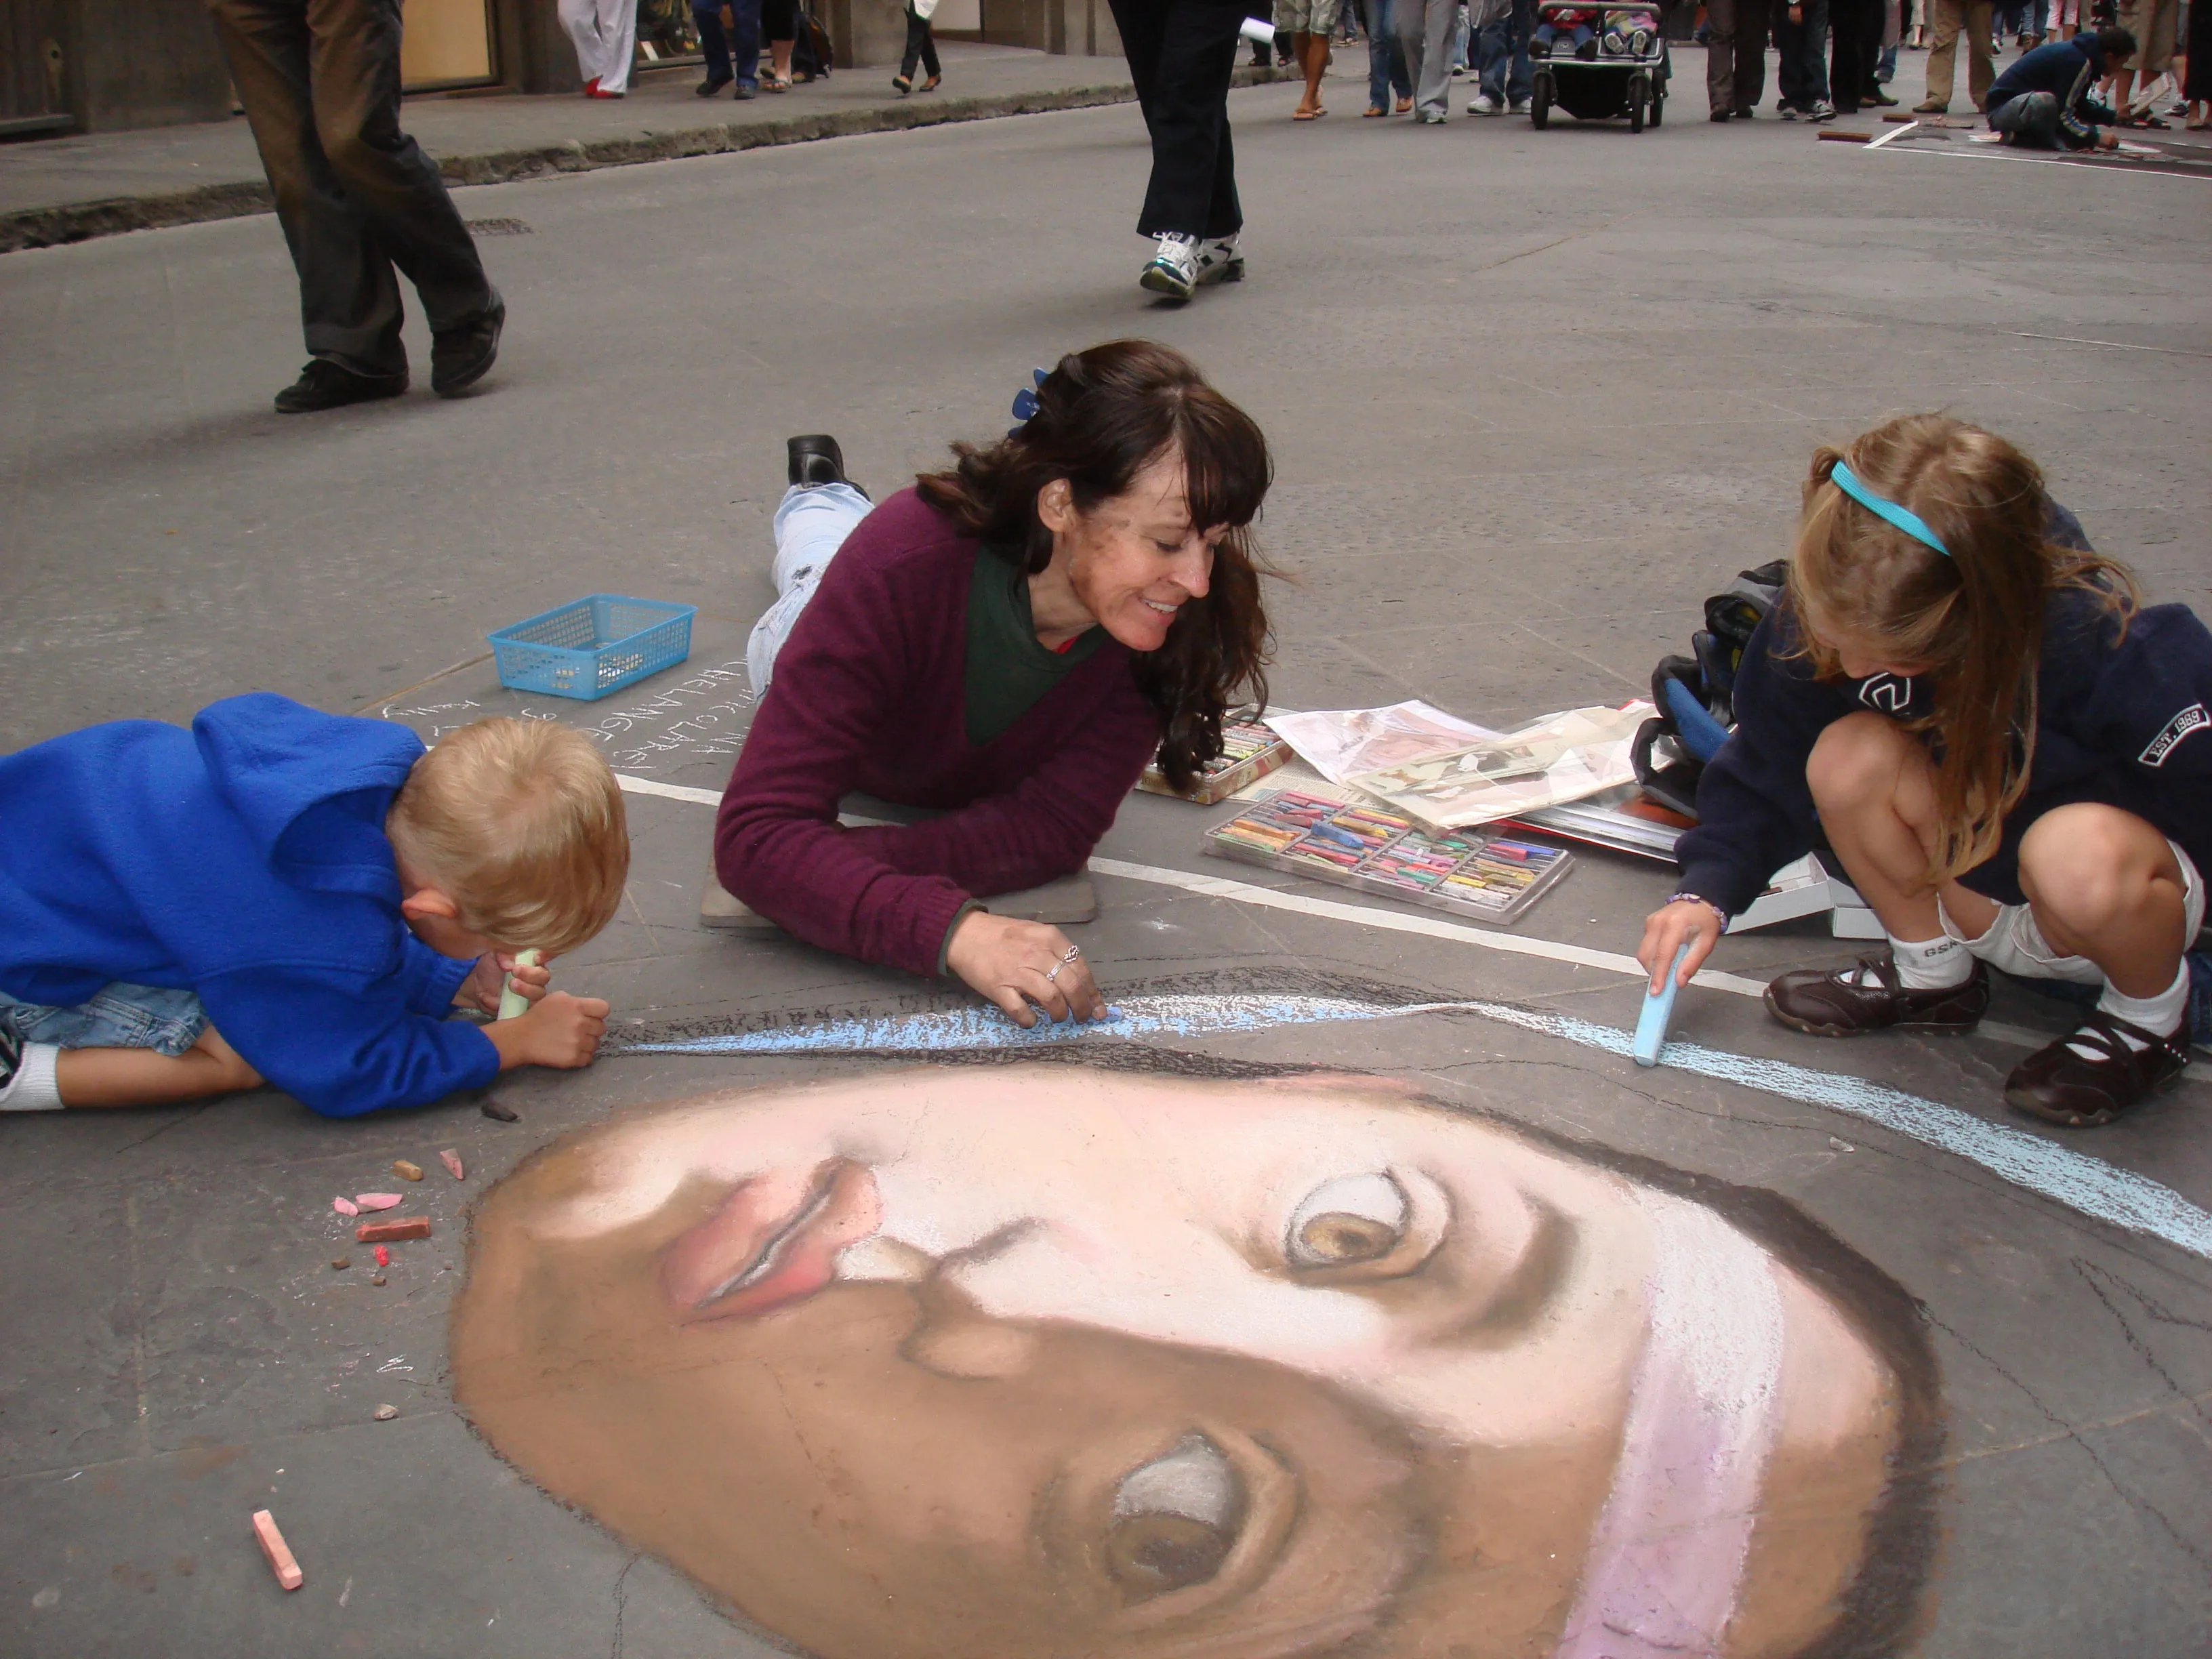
521	823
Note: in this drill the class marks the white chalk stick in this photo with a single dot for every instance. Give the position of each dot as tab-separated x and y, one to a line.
511	1001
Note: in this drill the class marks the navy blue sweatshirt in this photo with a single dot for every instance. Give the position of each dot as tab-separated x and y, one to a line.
2123	720
246	861
2067	69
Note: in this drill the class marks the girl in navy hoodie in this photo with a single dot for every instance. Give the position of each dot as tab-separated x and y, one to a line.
2010	755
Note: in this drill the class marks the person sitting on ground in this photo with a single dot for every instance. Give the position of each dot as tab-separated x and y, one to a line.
2043	102
283	894
2010	755
1576	26
1006	642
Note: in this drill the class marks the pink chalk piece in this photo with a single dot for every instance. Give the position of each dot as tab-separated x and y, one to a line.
281	1561
451	1160
378	1200
345	1207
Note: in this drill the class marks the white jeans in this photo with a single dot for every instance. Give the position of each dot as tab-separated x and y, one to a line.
811	523
2016	944
605	33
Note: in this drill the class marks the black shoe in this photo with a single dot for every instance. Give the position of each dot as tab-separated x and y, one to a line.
2062	1087
744	92
1878	96
1720	115
815	460
710	86
326	385
1745	114
1868	997
461	356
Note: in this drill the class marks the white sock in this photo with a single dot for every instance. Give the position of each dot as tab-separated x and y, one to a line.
1942	963
2161	1014
32	1088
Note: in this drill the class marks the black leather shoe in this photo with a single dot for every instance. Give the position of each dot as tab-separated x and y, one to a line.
1867	997
1720	115
814	458
710	86
326	385
2060	1086
1878	96
460	355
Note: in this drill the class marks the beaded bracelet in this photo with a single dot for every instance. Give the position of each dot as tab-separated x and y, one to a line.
1697	898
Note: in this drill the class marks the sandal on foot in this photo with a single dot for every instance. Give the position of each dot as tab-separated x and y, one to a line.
903	85
931	84
2077	1091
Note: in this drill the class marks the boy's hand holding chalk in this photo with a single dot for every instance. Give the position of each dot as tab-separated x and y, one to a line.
525	981
499	977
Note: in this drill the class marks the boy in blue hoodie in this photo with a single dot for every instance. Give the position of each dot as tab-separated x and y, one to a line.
298	897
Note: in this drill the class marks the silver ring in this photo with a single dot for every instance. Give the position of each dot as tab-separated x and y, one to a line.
1073	951
1054	974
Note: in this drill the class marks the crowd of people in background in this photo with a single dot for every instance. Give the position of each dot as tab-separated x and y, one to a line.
1831	58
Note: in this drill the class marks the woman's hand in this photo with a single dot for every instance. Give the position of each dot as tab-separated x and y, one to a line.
1666	930
1017	963
488	978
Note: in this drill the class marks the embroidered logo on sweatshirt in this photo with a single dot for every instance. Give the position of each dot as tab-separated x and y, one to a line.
2191	719
1886	693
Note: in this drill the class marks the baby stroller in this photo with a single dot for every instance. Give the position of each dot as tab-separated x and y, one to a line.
1621	70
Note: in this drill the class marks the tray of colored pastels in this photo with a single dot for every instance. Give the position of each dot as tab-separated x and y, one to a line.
1470	872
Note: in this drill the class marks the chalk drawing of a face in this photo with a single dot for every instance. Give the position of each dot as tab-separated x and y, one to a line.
1044	1360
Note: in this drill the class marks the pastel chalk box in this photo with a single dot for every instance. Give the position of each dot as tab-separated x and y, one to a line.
592	646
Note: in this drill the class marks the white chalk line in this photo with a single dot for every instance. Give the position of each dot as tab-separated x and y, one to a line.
1364	915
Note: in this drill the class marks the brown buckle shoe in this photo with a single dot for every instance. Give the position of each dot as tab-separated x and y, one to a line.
2060	1086
1834	1002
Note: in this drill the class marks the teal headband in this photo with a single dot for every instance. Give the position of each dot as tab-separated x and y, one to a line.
1843	479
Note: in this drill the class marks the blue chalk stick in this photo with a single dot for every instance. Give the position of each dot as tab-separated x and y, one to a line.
1658	1009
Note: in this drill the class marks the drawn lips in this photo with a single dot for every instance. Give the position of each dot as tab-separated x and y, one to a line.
775	1240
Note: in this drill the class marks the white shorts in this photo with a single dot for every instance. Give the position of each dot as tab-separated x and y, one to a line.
2016	944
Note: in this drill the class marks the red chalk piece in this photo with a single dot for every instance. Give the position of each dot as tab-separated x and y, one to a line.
383	1256
345	1207
380	1232
1835	137
273	1546
451	1160
377	1200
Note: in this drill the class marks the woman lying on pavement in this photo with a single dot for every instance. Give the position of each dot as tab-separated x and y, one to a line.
1008	642
2010	755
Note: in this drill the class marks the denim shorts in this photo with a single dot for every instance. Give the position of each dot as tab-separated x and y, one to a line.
119	1015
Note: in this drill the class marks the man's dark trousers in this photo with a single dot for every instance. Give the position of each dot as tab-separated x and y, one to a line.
1801	74
320	82
1855	42
1735	53
1180	54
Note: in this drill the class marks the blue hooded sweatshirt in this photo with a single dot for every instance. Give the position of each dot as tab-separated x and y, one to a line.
245	860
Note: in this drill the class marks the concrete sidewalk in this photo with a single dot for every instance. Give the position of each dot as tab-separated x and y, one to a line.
69	189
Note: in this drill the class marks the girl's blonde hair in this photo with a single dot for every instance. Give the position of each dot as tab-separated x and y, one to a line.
1973	620
520	823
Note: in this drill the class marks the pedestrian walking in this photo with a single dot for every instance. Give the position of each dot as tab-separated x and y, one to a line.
921	48
1309	23
1501	54
355	196
1425	33
1386	63
604	35
1736	57
2155	26
1801	73
1952	17
1855	29
1182	53
733	56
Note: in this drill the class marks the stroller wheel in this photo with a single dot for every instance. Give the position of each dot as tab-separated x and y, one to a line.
1639	100
1540	100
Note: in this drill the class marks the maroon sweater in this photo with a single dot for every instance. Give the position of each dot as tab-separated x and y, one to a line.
870	693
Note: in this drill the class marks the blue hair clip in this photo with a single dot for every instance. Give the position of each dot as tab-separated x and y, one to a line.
1025	400
1910	522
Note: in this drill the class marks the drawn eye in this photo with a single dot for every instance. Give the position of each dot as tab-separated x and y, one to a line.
1352	1219
1175	1520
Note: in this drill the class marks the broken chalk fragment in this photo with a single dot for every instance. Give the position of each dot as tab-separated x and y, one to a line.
378	1200
451	1160
376	1279
383	1233
385	1413
281	1561
405	1171
345	1207
341	1263
498	1111
383	1256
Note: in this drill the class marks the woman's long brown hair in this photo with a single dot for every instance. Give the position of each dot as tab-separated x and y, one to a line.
1102	416
1973	620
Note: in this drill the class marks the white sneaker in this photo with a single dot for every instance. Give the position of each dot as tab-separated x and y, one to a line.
1173	269
1220	261
1484	104
1517	107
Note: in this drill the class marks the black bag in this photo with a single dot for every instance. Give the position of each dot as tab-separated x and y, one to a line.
1695	695
811	55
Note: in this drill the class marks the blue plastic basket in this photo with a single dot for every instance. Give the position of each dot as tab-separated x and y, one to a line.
591	646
